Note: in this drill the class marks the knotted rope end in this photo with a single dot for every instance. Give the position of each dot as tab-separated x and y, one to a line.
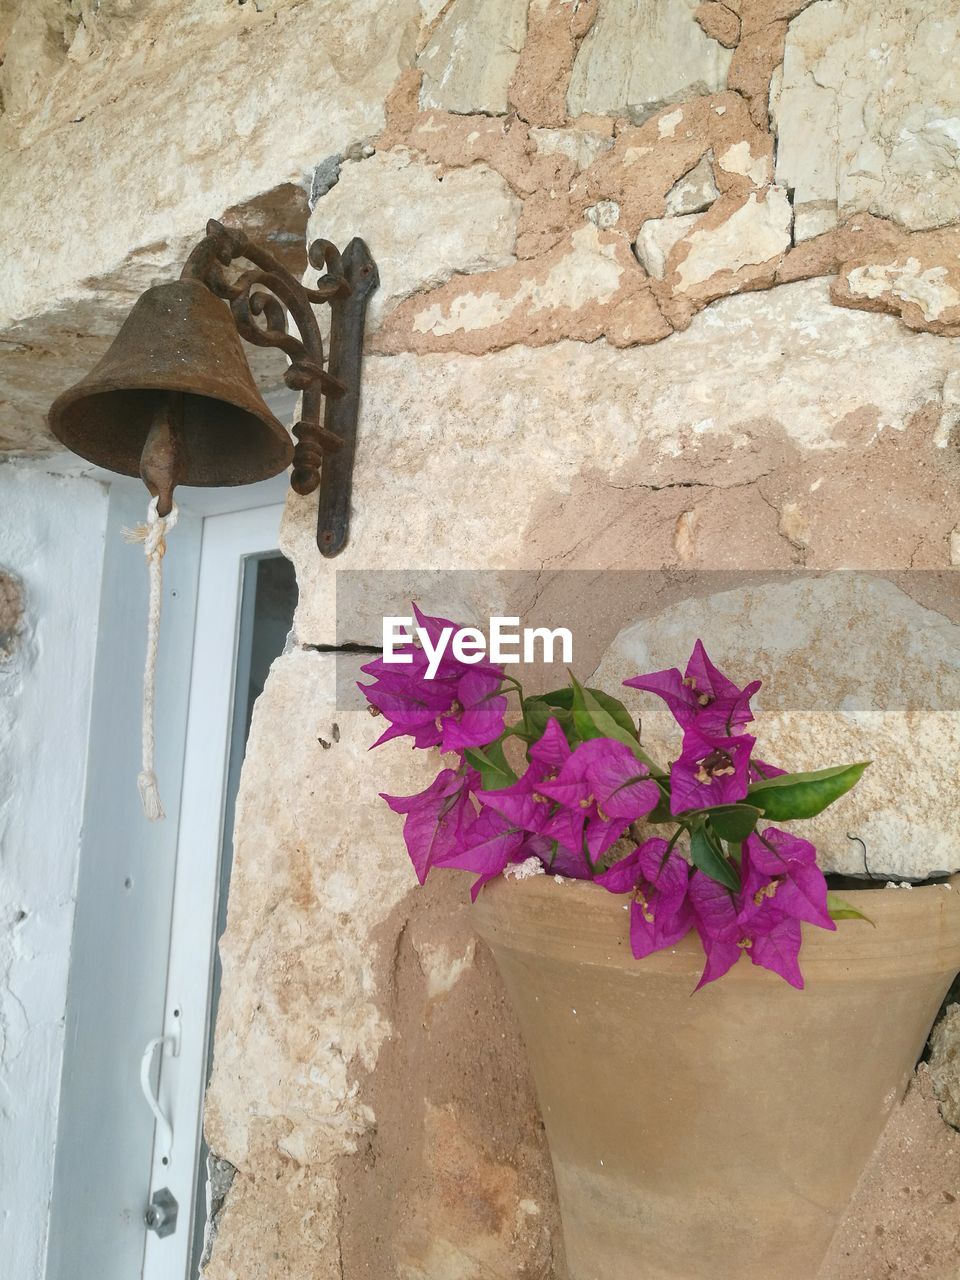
150	795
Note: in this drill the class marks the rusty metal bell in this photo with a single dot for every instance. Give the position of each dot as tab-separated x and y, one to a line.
176	373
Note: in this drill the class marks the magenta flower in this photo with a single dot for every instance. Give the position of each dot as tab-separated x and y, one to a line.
702	697
730	924
600	789
710	771
412	704
521	802
660	913
476	716
458	708
436	819
783	869
486	846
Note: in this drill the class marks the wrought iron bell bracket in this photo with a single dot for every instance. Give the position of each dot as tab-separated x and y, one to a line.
260	299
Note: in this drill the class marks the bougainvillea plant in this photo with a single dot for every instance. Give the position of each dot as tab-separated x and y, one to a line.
584	800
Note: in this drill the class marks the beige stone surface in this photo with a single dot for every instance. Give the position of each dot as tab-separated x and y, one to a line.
656	238
641	55
472	55
825	407
695	191
867	111
369	1084
200	142
334	968
582	146
421	225
945	1064
853	669
902	1221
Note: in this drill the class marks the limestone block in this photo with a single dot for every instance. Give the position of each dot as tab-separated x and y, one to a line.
605	214
185	137
641	55
656	239
945	1064
34	48
313	1020
695	191
753	234
853	669
472	55
422	225
738	243
584	456
868	111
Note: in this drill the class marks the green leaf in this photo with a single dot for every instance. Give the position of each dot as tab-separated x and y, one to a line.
733	822
593	720
491	764
804	795
838	909
711	861
537	711
566	699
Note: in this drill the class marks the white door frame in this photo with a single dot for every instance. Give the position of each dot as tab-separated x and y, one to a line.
228	541
129	878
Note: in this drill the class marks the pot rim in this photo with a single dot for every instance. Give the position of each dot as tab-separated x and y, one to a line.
914	931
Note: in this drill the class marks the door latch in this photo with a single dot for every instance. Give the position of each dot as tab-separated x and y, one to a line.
161	1214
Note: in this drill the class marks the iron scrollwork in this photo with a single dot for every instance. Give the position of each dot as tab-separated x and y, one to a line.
261	298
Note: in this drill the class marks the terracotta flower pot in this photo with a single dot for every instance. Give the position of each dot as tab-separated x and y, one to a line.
717	1135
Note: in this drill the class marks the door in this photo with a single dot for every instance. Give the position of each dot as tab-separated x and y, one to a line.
152	899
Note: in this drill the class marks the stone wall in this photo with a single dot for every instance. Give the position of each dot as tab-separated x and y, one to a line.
664	286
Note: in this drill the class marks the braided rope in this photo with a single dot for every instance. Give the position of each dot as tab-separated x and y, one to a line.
153	535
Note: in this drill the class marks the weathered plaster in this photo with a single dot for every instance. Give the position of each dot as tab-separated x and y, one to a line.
327	976
585	288
51	539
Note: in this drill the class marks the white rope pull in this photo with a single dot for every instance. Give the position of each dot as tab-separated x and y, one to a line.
153	535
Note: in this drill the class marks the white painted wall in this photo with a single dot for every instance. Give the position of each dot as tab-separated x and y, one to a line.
51	537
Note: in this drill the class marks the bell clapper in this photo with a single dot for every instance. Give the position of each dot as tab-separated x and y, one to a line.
163	461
